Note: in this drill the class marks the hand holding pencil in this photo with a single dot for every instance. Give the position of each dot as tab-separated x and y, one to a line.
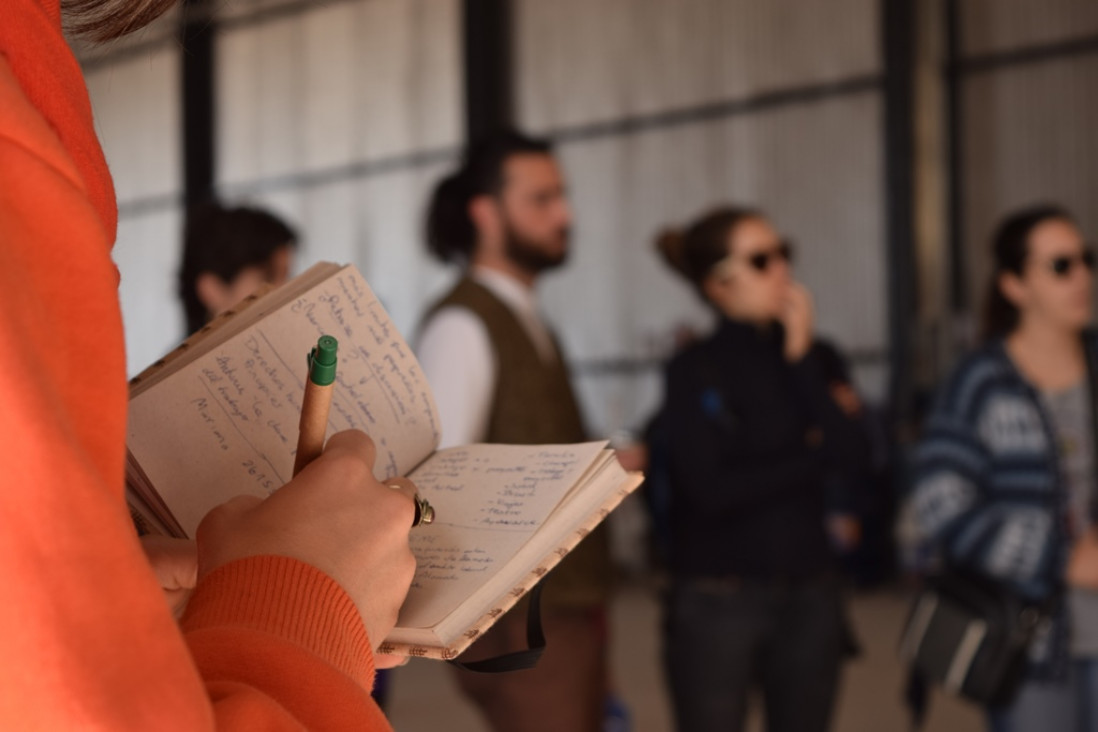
336	517
317	402
314	419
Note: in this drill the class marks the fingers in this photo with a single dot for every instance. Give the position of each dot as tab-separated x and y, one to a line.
157	547
799	296
344	472
346	464
794	305
807	302
175	564
389	660
403	486
352	443
633	458
175	561
409	495
797	319
334	515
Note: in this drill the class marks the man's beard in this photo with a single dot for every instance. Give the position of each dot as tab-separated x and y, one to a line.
529	254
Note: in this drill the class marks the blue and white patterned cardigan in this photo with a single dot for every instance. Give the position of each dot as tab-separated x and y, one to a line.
988	492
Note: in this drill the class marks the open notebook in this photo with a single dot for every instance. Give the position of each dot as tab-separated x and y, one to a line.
218	417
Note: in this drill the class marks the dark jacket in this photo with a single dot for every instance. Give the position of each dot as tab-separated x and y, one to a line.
753	441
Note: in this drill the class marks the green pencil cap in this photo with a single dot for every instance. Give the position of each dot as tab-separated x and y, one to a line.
322	361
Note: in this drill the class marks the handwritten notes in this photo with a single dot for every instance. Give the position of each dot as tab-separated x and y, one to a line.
489	500
226	423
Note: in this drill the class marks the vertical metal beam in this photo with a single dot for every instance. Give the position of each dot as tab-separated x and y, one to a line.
959	300
197	36
897	37
487	40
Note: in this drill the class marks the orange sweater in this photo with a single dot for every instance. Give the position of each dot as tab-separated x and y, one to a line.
86	638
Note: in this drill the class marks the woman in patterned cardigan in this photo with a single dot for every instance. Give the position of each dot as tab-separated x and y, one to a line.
1005	475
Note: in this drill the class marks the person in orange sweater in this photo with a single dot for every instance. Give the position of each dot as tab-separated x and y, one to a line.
293	593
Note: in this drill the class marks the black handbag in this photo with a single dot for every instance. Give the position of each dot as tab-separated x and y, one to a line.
971	636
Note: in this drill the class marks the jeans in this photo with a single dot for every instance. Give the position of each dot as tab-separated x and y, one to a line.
722	637
1068	706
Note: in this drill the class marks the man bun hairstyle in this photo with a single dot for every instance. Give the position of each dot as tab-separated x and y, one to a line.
669	244
450	232
695	251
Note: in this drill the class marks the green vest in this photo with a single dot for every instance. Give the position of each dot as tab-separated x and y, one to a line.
533	404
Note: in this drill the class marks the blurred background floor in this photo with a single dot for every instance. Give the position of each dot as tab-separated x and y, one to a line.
424	697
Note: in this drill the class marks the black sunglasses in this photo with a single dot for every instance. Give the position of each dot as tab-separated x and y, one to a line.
761	260
1062	266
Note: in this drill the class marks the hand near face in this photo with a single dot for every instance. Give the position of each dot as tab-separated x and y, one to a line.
798	317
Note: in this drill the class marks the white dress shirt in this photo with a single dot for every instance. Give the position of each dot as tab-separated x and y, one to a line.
456	354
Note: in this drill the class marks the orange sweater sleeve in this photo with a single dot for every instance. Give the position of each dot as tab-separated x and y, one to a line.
252	620
86	637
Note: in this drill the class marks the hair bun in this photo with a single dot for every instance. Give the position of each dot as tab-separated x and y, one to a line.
670	245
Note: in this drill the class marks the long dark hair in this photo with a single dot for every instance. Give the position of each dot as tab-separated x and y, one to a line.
1010	248
694	252
225	241
451	235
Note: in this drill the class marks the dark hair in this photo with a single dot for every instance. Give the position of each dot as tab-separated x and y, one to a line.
451	234
224	242
694	252
1010	247
106	20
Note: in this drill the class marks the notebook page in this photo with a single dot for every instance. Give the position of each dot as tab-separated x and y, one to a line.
227	423
224	326
489	500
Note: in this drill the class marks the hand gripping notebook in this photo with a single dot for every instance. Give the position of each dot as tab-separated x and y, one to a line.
218	417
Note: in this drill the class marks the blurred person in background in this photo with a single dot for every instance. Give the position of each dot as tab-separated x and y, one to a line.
229	253
289	595
756	431
1004	481
498	375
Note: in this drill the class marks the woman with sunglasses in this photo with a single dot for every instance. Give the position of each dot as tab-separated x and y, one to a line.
1005	475
754	434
